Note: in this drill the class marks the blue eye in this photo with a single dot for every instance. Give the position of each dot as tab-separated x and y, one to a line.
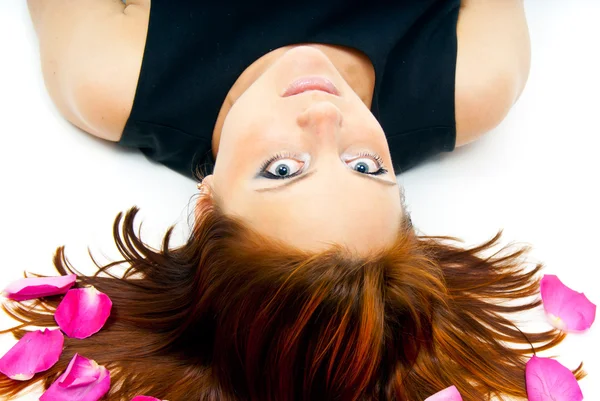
281	167
367	163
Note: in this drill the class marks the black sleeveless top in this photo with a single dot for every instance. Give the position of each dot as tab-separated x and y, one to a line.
195	51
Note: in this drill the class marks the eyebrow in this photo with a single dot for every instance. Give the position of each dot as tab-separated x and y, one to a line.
310	173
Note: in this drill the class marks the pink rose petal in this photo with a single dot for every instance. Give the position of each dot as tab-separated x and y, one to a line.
448	394
567	310
36	352
80	372
37	287
548	380
144	398
83	312
84	380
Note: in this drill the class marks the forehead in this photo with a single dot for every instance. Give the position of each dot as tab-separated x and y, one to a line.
315	228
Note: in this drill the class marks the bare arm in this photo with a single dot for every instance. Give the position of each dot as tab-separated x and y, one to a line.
492	66
91	53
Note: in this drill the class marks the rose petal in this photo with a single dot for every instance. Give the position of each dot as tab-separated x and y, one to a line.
144	398
36	287
84	380
567	310
83	312
448	394
548	380
36	352
80	372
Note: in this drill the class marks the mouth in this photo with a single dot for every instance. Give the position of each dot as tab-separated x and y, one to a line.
312	83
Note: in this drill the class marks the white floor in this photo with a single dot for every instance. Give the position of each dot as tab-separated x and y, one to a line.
535	176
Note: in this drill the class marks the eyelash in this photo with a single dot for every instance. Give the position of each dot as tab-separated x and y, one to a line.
378	159
285	155
274	158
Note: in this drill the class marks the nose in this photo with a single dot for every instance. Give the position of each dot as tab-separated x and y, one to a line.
322	119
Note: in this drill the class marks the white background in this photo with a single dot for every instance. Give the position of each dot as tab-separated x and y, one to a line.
535	176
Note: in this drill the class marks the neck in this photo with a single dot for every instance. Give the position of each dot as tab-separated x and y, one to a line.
353	65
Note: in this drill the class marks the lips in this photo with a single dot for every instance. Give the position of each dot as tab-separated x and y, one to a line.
304	84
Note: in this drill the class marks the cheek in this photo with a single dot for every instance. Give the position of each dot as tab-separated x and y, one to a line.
251	138
241	152
231	168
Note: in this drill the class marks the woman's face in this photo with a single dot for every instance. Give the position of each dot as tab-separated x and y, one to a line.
310	169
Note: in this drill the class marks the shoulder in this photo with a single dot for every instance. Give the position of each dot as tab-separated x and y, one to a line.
492	64
91	57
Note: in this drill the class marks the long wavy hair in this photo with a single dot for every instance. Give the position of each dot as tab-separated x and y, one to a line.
232	315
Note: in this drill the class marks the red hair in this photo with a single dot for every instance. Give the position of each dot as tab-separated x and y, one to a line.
232	315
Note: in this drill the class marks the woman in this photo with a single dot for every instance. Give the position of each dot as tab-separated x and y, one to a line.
436	74
290	287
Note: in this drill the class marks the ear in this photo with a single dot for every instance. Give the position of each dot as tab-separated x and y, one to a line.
208	182
205	197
